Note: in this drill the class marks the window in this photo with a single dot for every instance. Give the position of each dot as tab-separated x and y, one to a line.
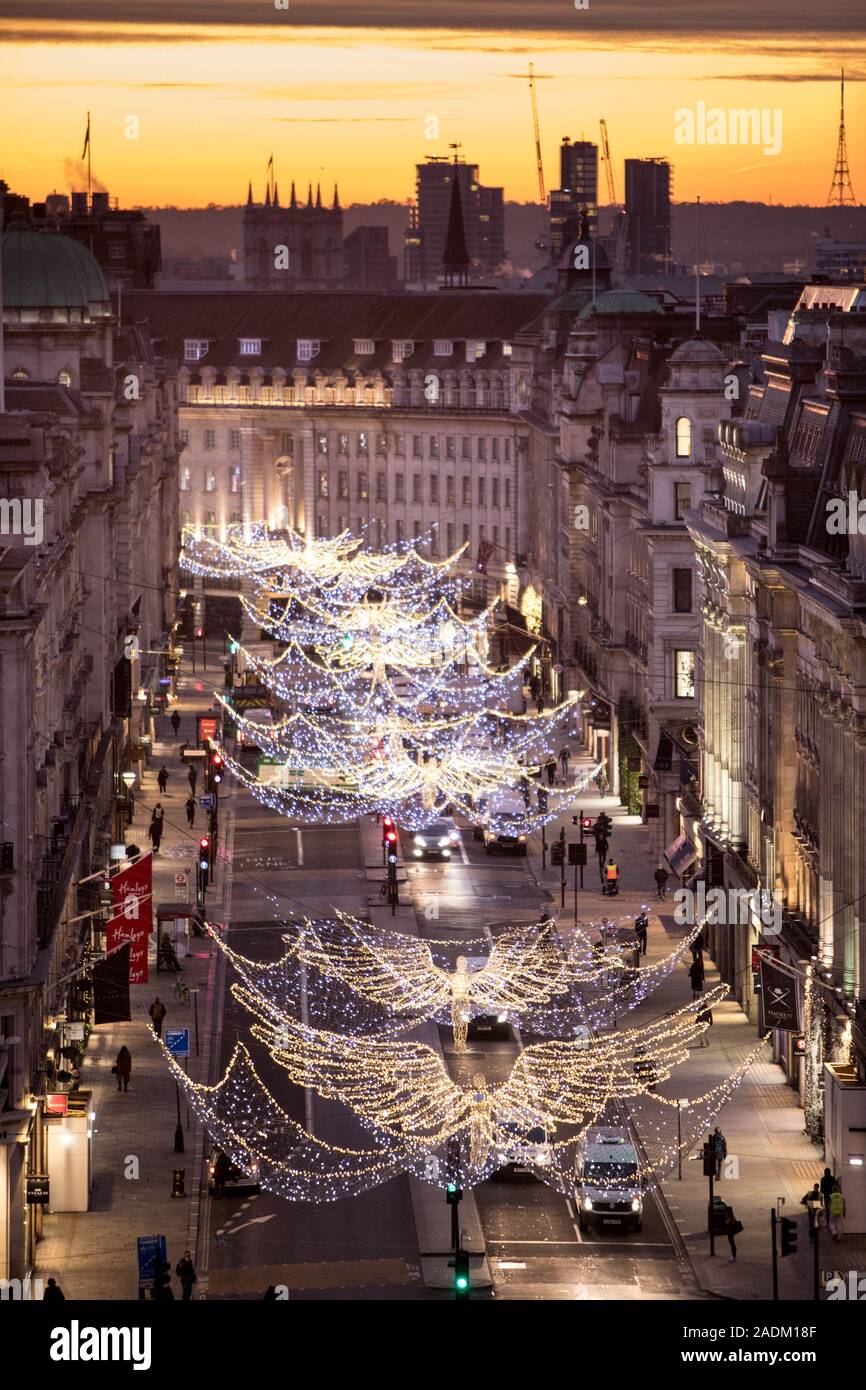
382	445
321	444
364	347
450	447
400	530
117	250
474	349
682	499
417	446
363	443
399	487
506	349
434	488
210	518
496	536
235	518
210	439
449	489
323	482
482	492
382	531
508	494
251	347
682	588
343	445
684	437
401	348
287	443
467	492
494	450
496	492
234	439
342	486
363	492
64	378
467	447
465	535
684	675
399	445
416	530
381	487
185	479
194	349
443	347
341	523
434	538
508	539
321	525
449	538
508	451
235	478
482	451
434	447
416	487
183	437
308	348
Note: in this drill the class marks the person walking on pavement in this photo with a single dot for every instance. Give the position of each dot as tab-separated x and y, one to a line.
157	1014
814	1204
551	771
697	946
732	1229
705	1016
601	782
720	1150
185	1271
53	1293
661	878
193	777
828	1182
696	976
601	848
221	1170
190	811
564	756
611	878
175	722
641	926
162	780
837	1212
154	830
123	1068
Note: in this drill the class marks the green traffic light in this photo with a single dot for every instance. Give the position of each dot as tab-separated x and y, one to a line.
462	1282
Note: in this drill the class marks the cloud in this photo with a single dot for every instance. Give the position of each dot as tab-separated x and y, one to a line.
674	16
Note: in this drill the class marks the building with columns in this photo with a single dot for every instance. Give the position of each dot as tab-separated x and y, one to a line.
88	439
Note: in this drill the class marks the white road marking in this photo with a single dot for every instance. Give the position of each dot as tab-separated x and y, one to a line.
300	847
463	855
254	1221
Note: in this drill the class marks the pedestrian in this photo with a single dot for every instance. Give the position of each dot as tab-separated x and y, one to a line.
645	1069
270	1294
601	848
564	756
123	1068
732	1229
837	1211
524	791
601	782
193	777
539	704
190	810
828	1182
53	1293
167	956
661	878
696	976
814	1204
157	1014
551	770
611	874
705	1016
182	750
641	926
545	926
175	721
154	830
720	1150
185	1271
697	946
221	1170
162	780
542	801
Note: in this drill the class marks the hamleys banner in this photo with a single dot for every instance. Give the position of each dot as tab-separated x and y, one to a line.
132	915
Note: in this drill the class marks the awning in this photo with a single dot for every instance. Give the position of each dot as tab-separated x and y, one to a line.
681	854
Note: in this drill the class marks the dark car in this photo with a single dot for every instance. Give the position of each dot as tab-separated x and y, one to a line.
235	1179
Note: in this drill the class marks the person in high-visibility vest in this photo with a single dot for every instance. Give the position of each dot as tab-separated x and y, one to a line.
612	878
837	1212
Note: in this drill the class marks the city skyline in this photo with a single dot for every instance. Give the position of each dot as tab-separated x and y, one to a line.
209	103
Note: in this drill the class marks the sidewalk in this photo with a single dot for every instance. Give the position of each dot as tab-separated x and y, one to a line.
93	1254
769	1155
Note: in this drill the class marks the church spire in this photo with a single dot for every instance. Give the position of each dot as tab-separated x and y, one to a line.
336	198
309	195
267	197
455	259
318	195
250	195
276	195
294	202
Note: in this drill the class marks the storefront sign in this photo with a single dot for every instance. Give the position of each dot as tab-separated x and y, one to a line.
780	998
57	1103
206	726
37	1189
652	810
132	915
681	854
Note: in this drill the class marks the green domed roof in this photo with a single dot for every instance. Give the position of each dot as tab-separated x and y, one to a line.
43	270
622	302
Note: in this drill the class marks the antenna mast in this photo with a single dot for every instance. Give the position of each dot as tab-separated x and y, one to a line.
841	192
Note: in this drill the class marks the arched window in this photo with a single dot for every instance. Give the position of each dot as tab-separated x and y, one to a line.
64	378
684	437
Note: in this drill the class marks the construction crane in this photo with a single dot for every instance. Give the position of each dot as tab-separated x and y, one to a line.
541	188
608	165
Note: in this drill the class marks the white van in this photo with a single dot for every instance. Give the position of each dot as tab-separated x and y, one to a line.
504	825
608	1188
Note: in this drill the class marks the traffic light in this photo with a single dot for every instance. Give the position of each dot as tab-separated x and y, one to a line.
234	647
161	1280
789	1235
709	1161
204	854
586	823
453	1193
556	852
216	764
387	827
462	1285
199	632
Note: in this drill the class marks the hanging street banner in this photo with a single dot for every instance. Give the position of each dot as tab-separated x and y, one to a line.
780	998
132	915
111	988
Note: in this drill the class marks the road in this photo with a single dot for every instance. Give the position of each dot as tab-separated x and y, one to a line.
365	1247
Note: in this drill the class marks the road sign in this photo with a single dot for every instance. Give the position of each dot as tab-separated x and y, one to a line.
177	1042
207	802
149	1248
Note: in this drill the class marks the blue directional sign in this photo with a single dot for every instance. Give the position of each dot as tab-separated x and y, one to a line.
148	1249
177	1041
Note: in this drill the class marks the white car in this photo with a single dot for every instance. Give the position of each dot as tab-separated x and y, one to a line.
437	841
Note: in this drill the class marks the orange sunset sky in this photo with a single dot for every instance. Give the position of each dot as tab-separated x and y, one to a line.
213	96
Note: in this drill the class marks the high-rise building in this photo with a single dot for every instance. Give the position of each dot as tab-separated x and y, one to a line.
299	247
577	196
483	220
648	186
369	264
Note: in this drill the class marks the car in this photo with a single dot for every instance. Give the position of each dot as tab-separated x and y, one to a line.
486	1026
234	1178
608	1185
504	826
521	1151
437	841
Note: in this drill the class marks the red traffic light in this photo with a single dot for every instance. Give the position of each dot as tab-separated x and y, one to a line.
586	823
387	823
199	632
391	837
217	760
204	842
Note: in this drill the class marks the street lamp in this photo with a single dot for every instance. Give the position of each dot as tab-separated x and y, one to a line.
128	777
